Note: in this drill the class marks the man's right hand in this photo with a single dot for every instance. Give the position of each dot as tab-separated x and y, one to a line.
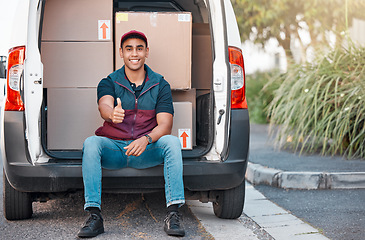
117	115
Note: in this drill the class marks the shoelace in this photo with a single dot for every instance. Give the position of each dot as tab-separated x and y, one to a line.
93	217
173	219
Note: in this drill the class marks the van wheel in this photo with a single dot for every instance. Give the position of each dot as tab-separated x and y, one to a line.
17	205
229	203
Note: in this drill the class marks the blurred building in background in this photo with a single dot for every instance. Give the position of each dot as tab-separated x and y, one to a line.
357	31
263	59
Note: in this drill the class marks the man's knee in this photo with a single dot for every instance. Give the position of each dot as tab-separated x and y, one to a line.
170	141
93	142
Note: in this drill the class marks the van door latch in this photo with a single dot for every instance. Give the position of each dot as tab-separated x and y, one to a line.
38	81
221	112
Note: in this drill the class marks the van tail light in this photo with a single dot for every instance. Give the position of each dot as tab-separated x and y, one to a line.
15	72
238	98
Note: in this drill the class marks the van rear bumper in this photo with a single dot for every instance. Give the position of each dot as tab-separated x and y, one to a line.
58	177
66	175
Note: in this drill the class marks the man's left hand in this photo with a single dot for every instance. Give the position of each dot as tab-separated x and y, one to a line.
137	147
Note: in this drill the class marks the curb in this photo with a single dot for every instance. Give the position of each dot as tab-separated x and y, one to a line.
258	174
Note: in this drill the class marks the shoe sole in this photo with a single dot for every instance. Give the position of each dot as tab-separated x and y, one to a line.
90	235
174	233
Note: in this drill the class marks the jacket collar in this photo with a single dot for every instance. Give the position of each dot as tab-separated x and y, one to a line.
152	77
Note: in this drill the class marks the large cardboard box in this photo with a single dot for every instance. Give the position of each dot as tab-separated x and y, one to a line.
78	20
69	122
182	126
186	96
76	64
169	39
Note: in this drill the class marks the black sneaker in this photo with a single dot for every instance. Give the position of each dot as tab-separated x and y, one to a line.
92	227
172	225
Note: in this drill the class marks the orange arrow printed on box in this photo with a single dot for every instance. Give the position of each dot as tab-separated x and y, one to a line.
184	136
104	27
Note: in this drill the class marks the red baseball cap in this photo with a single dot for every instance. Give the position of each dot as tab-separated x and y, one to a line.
133	32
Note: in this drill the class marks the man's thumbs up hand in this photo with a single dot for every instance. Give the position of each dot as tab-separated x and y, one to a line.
119	103
118	113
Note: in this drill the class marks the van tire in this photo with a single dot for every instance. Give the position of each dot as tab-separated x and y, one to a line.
17	205
229	203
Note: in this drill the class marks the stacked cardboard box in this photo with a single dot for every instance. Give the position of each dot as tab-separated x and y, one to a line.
77	51
185	116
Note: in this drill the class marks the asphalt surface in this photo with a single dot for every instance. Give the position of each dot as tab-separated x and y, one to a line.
125	217
263	151
338	214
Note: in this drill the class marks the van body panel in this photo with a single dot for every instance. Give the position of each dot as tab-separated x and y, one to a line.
239	135
233	34
20	24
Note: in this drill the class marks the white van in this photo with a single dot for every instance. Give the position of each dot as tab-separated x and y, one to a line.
61	49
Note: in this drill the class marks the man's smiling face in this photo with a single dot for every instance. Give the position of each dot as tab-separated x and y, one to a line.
134	53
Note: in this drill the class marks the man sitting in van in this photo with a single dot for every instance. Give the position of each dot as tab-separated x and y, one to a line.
136	104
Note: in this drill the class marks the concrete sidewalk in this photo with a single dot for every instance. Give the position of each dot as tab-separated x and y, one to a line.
290	170
274	222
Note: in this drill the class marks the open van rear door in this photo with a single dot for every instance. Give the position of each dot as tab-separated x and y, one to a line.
221	83
33	84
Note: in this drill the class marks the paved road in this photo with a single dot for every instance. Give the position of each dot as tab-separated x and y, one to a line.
339	213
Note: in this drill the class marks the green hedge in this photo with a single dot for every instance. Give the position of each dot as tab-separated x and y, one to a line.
321	106
259	97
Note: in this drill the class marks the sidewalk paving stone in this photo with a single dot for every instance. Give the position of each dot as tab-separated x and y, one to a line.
276	221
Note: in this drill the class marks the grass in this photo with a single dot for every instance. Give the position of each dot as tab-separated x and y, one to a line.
320	106
258	98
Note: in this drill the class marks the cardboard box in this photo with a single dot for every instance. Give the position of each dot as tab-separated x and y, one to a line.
202	67
187	96
69	123
76	64
182	126
169	39
77	20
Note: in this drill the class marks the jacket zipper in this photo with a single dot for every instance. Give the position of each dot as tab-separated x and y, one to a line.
136	102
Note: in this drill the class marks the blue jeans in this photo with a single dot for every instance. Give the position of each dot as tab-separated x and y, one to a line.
101	152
